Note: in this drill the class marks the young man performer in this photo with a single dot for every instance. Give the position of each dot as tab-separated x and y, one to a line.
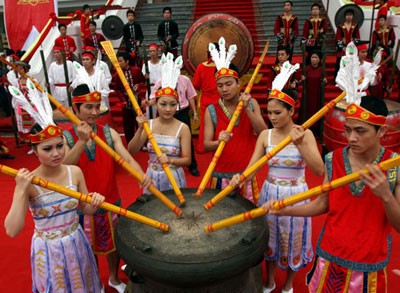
244	135
67	43
286	28
352	258
98	169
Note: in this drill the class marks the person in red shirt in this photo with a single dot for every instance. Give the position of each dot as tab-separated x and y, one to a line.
135	79
349	256
66	42
383	37
204	81
94	39
314	30
85	20
347	32
99	171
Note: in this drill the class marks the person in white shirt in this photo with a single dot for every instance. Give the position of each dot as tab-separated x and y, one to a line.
56	72
154	65
95	76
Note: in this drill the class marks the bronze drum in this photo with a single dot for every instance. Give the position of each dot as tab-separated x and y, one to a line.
209	28
186	256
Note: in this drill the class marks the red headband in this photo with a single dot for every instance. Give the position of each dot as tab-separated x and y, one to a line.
354	111
277	94
51	131
94	97
362	47
153	46
57	48
88	48
88	54
167	92
226	72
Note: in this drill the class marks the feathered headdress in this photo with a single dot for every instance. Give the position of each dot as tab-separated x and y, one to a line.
170	72
222	59
40	110
89	95
347	79
279	82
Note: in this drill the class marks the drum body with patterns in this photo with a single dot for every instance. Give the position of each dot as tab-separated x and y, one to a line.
104	118
186	256
334	134
208	29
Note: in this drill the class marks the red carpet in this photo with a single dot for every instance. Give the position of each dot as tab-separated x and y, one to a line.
15	252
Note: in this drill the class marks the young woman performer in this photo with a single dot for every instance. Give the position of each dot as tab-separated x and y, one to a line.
289	244
172	136
61	258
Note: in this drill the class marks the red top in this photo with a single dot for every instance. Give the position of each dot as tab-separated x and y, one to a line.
84	25
94	41
237	152
345	35
204	80
313	26
286	27
97	166
68	45
385	36
356	233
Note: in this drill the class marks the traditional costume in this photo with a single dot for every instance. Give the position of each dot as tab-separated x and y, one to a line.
204	81
290	237
314	31
61	257
169	29
67	43
99	170
233	159
285	29
132	33
57	81
171	145
97	81
351	259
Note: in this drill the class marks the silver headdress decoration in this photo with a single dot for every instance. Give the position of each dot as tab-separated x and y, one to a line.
170	70
221	58
38	105
349	73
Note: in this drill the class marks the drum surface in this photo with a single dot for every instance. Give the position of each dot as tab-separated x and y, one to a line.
186	256
209	28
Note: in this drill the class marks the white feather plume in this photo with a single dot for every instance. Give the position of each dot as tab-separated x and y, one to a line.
82	75
349	74
170	70
38	105
281	79
222	59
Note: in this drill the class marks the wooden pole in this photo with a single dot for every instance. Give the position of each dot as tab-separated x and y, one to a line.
71	116
108	48
231	124
261	162
291	200
88	199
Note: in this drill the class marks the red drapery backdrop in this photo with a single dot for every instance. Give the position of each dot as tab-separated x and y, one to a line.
21	16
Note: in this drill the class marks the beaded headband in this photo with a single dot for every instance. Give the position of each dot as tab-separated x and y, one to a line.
281	96
354	111
93	97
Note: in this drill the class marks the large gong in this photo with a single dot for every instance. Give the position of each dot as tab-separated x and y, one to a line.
209	28
187	256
